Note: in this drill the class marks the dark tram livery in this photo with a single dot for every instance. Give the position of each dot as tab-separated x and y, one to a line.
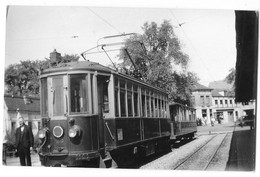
183	121
95	116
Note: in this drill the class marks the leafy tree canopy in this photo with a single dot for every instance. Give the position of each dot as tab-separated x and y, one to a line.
231	77
154	54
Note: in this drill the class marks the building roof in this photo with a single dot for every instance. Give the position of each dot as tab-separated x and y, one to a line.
227	93
215	93
198	86
222	85
22	103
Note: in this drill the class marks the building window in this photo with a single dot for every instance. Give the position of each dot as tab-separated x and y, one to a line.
230	101
216	102
207	101
226	102
221	102
202	102
204	112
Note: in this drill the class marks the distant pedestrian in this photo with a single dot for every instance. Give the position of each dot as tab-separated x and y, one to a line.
205	121
219	120
24	142
212	120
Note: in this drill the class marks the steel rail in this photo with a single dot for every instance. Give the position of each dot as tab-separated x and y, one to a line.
212	157
186	159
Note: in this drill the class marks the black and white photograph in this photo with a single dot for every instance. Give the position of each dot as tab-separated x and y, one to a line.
140	87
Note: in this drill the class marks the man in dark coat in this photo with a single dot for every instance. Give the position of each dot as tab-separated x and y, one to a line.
24	142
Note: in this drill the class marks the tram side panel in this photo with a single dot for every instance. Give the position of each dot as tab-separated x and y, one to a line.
183	122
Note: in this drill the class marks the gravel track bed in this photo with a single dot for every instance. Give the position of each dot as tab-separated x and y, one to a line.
170	160
201	159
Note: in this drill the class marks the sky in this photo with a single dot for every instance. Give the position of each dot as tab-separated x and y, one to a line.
207	36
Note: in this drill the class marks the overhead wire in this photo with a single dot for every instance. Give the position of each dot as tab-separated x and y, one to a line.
104	20
180	26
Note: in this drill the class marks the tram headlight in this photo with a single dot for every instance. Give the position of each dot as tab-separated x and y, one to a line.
42	133
74	131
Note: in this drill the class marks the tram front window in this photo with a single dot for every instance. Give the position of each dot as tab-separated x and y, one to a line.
44	97
79	99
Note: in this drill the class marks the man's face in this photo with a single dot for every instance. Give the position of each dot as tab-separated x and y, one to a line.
21	121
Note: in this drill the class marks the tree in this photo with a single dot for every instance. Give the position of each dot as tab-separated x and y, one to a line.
154	55
23	78
70	58
231	77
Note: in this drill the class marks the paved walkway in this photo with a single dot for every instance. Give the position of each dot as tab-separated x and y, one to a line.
217	128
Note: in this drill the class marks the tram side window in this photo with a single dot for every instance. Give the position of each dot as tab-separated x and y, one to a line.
129	99
148	103
79	93
152	105
155	106
44	97
143	103
135	101
116	98
163	108
122	98
105	99
181	114
159	107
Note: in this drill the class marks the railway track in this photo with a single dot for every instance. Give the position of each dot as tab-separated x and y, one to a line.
208	156
206	152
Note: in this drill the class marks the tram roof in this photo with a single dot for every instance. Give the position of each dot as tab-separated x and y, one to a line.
90	66
179	104
78	65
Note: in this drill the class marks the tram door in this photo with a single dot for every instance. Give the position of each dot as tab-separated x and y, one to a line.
57	106
173	116
102	88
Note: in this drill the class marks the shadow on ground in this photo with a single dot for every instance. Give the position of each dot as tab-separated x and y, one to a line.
242	151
